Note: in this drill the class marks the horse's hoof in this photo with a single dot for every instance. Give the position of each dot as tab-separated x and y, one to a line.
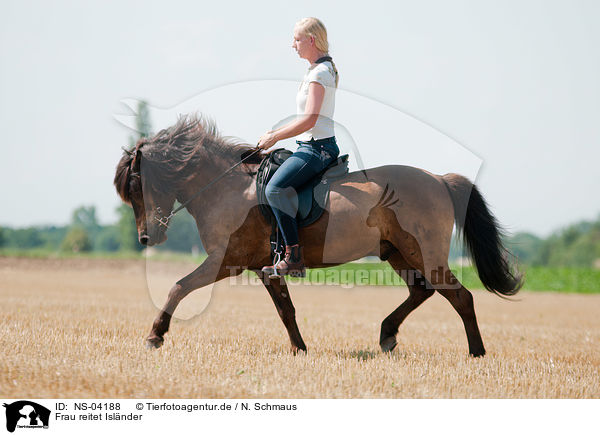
297	350
388	344
154	342
477	354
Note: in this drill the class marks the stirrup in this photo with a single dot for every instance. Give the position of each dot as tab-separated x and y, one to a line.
276	260
272	270
294	273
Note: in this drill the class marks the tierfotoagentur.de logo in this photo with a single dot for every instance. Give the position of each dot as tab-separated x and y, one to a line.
25	414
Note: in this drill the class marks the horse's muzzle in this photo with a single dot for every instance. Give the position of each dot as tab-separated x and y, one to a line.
152	238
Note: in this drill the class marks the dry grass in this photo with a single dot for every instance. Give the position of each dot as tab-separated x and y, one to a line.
75	328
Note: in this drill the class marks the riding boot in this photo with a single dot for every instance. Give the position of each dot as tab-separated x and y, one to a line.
292	264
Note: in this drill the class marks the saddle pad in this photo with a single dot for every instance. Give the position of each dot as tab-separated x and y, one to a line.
312	197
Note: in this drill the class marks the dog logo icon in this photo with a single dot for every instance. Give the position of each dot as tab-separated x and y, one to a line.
26	414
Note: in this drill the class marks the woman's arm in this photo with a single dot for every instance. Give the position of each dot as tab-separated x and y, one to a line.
314	101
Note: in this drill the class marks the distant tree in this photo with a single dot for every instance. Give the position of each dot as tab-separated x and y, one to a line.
542	256
143	124
26	238
524	246
77	240
142	121
53	236
108	239
2	238
128	236
582	252
183	234
85	217
577	245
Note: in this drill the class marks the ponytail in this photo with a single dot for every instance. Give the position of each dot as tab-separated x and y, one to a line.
337	76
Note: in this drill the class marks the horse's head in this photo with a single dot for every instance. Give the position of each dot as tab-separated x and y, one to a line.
137	185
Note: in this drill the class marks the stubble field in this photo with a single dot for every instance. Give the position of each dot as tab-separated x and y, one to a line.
75	328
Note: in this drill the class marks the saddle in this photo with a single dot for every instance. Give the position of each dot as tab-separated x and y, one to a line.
312	196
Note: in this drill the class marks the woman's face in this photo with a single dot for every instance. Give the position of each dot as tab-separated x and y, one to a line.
302	44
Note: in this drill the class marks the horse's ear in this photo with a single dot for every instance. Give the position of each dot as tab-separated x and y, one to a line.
128	152
137	158
137	154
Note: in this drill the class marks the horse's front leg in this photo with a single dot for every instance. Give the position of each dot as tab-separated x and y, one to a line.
210	271
278	290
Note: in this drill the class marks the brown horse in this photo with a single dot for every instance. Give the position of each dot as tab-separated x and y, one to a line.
401	214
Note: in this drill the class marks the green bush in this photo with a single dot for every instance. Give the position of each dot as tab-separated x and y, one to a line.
76	240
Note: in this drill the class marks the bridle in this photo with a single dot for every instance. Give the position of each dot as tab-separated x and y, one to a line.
164	220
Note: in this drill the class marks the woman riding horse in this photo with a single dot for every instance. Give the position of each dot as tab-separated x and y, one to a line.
317	145
403	215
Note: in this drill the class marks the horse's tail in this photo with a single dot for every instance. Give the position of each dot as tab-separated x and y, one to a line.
482	235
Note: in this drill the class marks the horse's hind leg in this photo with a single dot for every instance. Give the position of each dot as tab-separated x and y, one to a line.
462	301
418	293
460	298
283	302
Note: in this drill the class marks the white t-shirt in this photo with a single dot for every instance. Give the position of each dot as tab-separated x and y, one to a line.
324	74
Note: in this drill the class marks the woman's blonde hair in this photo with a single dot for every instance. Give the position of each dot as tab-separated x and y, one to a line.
312	26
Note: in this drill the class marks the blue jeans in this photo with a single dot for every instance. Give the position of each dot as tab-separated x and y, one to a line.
310	159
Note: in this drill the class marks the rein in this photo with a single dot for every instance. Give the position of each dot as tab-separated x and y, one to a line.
164	221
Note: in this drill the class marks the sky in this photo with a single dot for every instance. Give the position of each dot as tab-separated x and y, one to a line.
506	93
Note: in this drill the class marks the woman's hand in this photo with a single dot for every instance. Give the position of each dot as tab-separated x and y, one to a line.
267	140
302	123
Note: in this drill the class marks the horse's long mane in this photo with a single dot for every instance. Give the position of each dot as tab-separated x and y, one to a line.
174	154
